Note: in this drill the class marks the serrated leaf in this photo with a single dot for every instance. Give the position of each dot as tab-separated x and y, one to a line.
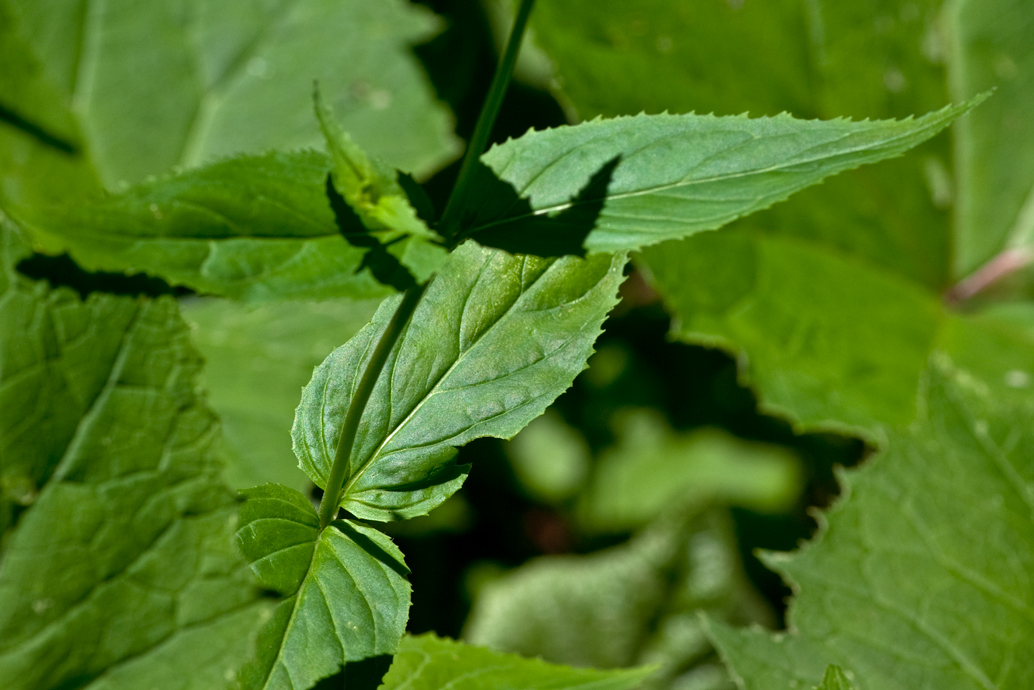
427	662
254	228
256	360
921	579
676	175
346	596
221	78
995	146
118	568
636	603
495	339
652	468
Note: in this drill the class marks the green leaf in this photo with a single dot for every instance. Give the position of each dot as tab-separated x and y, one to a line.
898	588
253	228
214	79
826	339
631	604
118	568
427	662
995	145
653	468
256	361
346	597
676	175
835	679
550	459
495	339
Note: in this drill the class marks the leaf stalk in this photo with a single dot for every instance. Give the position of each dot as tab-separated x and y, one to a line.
350	427
486	120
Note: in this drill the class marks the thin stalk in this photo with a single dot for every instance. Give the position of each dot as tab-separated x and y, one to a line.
336	480
489	111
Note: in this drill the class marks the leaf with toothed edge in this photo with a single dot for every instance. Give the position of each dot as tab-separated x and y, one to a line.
676	175
495	339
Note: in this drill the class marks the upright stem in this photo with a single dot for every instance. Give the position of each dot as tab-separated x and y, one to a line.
489	111
450	218
332	492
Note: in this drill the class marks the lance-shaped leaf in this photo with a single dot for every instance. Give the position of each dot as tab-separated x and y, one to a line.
921	579
495	339
118	568
676	175
432	663
254	227
346	596
372	190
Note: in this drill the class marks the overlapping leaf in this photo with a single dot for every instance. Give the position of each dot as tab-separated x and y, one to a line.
495	339
922	579
674	175
346	597
118	568
431	663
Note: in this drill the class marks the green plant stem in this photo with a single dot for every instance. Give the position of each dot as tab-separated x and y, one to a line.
332	492
483	129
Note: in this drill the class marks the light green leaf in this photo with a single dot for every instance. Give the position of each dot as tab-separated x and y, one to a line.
836	679
432	663
120	569
253	228
257	359
675	175
827	340
495	339
346	597
221	78
550	459
921	579
631	604
653	468
991	47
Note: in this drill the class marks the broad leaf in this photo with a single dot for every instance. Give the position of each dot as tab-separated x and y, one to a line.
120	570
824	338
495	339
254	228
431	663
346	597
921	579
256	361
631	604
670	176
653	468
218	78
995	146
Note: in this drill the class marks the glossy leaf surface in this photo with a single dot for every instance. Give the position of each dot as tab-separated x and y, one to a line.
346	596
432	663
119	570
899	589
674	175
495	339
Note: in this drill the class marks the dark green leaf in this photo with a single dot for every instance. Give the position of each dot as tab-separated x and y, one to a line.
346	597
675	175
431	663
921	579
495	339
120	571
